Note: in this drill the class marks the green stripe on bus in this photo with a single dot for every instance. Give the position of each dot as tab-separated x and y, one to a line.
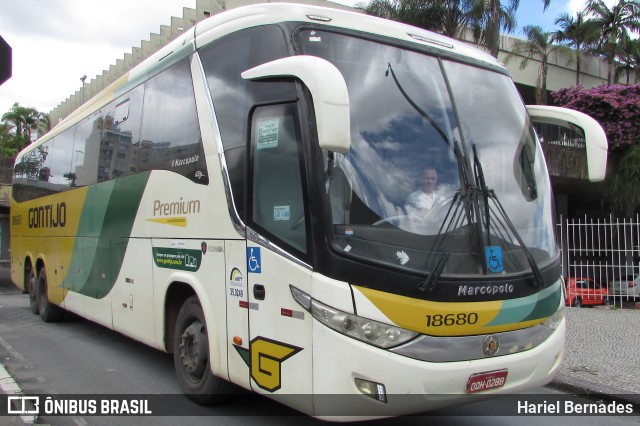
108	215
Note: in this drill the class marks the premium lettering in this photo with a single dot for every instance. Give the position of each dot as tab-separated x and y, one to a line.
177	207
491	289
49	216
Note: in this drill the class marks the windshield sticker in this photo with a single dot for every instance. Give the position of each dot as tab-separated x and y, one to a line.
314	38
402	257
493	255
281	213
268	133
180	259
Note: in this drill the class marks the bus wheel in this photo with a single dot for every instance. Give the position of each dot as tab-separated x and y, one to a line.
191	356
48	311
30	281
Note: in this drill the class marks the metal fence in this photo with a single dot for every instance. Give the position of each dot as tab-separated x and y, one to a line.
602	253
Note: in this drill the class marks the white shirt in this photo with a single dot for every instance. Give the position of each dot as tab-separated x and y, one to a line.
419	200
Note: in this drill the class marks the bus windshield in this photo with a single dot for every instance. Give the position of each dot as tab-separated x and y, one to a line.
444	171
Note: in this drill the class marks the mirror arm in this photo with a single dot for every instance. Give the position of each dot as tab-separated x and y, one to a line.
328	91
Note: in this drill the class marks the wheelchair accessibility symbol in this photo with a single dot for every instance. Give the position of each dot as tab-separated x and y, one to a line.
254	264
493	255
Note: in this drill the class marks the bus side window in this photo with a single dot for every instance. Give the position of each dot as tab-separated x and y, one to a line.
278	204
170	137
121	136
86	150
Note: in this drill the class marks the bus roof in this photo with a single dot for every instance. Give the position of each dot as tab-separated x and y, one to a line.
270	13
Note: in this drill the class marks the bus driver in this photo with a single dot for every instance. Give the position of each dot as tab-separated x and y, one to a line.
420	202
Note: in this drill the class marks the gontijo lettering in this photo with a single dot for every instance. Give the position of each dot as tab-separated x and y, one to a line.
48	216
176	207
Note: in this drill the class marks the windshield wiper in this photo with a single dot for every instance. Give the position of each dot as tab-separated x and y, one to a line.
415	106
451	221
490	194
467	197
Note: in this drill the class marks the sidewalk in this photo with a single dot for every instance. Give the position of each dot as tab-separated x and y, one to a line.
602	351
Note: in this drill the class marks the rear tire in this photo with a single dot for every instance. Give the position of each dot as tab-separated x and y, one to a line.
30	285
48	311
191	356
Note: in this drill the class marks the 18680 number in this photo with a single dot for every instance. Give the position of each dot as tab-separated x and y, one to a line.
449	320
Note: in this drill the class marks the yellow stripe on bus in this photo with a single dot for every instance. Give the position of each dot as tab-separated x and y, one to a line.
441	318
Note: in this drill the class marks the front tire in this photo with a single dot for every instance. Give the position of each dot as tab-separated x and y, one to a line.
191	356
48	311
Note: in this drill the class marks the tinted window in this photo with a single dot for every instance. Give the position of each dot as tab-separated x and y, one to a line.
278	205
31	173
154	126
60	174
120	136
233	97
170	136
86	150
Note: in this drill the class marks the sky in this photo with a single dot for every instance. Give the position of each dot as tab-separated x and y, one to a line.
56	42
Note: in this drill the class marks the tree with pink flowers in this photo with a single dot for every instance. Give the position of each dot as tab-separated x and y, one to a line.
617	109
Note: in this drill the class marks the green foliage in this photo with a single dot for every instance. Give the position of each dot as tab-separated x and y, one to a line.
539	45
617	109
615	23
622	190
17	125
446	17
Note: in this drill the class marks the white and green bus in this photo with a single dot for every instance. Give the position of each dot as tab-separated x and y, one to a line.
241	200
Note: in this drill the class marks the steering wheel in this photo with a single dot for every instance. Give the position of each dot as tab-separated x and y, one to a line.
398	219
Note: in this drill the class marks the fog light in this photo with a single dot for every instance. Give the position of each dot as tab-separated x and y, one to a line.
372	389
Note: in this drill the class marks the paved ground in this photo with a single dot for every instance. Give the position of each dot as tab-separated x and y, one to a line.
602	352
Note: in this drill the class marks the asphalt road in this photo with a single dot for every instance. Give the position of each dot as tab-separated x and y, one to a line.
80	357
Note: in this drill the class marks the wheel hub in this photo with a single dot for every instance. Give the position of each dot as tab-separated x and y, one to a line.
194	349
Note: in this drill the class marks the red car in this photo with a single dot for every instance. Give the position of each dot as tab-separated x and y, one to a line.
584	291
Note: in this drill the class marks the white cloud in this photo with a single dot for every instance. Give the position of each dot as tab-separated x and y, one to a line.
575	6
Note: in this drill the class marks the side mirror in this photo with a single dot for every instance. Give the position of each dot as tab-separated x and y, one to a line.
328	90
595	138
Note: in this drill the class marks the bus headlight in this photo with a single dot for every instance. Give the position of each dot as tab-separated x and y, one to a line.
363	329
554	321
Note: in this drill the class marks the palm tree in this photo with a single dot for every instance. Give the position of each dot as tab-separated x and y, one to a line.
489	17
44	123
614	23
442	16
22	119
539	45
578	33
628	59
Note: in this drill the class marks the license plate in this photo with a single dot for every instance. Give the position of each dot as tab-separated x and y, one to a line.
485	381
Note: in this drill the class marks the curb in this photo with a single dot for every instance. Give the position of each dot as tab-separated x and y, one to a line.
588	389
9	387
